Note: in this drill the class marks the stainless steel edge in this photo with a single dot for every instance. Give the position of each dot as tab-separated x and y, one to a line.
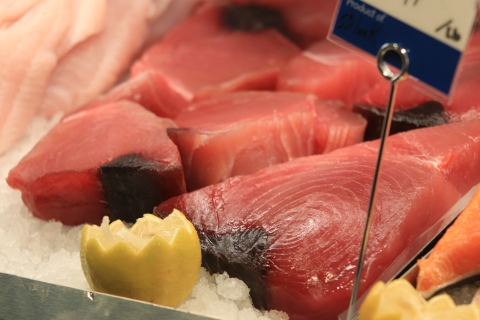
22	298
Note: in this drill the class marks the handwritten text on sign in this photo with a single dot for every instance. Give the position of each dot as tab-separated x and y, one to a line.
449	21
435	33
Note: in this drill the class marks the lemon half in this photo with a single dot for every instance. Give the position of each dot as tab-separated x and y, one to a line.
396	300
399	300
156	260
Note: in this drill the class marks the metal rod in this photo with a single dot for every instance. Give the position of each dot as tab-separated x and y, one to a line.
393	78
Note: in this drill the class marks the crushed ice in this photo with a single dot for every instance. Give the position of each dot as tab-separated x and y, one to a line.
222	297
49	251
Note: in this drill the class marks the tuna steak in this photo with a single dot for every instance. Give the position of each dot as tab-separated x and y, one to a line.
241	133
336	126
114	160
452	148
143	90
330	72
293	231
464	96
201	58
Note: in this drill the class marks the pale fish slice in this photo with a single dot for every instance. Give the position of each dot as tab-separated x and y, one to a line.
95	65
26	61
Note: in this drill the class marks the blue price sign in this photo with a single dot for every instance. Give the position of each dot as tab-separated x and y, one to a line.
435	33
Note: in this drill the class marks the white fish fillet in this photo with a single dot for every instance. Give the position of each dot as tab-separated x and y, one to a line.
56	55
27	57
95	64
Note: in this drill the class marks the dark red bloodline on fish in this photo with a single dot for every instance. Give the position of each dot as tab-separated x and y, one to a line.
134	185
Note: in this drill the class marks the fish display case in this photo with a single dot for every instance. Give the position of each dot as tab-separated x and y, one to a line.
281	207
23	298
47	300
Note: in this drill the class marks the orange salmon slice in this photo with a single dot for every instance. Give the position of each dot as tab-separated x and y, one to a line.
456	255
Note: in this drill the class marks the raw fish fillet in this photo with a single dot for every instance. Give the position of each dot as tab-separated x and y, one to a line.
336	126
464	94
58	55
330	72
455	256
241	133
143	90
292	231
200	58
26	62
166	14
94	64
114	160
306	21
453	149
408	95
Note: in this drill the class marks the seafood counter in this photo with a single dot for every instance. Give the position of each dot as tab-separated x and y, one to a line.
241	140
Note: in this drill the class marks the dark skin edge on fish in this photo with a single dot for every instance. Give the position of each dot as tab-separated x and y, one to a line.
253	18
241	255
134	185
463	291
429	114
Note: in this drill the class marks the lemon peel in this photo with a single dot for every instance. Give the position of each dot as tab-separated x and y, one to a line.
399	300
155	260
396	300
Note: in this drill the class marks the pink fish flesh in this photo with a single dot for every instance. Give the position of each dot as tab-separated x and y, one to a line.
330	72
241	133
333	72
200	58
464	96
292	231
144	90
337	126
453	149
114	160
